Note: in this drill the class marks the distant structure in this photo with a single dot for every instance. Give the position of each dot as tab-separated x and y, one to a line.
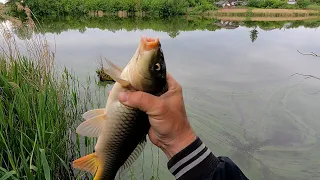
292	2
225	3
227	24
229	3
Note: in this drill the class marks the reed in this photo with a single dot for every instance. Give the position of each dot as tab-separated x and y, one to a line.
39	110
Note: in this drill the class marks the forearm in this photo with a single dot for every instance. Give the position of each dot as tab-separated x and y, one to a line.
196	161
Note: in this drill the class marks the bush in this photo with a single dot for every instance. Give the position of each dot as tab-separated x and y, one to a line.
203	5
270	4
254	3
315	1
314	7
72	7
303	3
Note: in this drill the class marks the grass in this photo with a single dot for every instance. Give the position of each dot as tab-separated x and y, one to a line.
258	12
38	112
314	7
33	121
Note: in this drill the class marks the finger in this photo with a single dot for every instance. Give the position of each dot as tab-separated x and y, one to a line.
109	93
141	100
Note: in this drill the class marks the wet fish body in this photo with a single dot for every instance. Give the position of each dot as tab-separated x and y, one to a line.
122	130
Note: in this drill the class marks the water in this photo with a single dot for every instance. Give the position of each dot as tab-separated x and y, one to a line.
239	93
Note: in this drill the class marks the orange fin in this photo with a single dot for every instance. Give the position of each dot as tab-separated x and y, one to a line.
87	163
98	174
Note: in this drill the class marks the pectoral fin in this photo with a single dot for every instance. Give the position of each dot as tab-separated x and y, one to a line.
87	163
92	127
93	113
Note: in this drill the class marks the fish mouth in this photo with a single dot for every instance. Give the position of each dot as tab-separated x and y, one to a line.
148	43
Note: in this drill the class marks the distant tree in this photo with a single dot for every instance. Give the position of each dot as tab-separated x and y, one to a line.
316	1
303	3
254	34
254	3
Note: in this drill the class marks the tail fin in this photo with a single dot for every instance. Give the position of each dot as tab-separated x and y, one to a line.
87	163
98	174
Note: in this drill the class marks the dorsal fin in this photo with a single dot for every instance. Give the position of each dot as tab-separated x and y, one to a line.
114	72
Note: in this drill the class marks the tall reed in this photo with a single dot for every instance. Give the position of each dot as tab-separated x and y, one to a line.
38	111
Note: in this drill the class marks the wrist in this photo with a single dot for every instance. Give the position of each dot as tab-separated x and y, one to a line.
181	141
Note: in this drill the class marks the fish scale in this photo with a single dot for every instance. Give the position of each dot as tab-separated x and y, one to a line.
131	127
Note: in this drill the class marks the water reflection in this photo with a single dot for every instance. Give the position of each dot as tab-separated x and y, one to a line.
238	91
172	26
254	34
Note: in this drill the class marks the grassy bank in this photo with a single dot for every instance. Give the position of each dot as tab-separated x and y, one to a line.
303	20
256	12
39	108
33	122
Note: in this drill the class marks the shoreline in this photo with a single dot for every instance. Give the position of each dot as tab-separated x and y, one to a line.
259	12
253	13
267	19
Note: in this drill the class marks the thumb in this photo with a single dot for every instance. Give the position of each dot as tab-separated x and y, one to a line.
141	100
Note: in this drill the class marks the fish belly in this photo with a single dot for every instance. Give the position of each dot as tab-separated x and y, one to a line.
127	128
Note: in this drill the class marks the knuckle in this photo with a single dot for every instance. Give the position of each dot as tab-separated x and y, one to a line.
139	99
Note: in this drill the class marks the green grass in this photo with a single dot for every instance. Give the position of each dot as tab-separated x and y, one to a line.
38	112
314	7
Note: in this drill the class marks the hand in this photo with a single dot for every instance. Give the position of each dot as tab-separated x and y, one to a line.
170	129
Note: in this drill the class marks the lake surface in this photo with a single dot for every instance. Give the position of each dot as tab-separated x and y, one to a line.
236	77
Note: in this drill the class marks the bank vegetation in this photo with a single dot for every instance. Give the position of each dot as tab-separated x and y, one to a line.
81	7
40	106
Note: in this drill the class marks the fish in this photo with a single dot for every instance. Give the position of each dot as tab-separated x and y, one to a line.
121	131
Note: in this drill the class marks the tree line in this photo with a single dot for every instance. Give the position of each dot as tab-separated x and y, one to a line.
79	7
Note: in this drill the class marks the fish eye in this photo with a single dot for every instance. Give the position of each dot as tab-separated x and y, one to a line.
157	66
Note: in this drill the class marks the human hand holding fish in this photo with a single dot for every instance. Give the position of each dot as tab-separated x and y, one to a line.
121	130
170	129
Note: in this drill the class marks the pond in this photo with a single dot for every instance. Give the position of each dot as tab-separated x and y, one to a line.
240	95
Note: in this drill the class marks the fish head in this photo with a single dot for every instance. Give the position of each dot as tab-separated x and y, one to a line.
148	71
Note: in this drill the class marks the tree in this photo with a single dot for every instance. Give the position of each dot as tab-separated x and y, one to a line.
303	3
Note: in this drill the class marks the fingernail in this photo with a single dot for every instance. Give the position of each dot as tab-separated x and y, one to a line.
123	96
